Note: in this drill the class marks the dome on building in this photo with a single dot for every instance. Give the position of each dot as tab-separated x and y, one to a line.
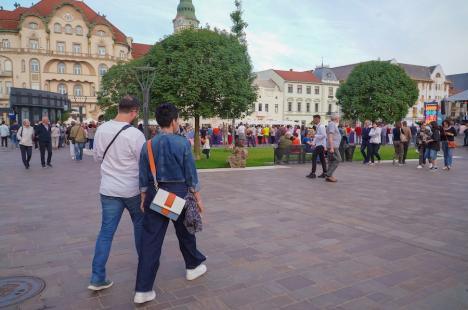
186	9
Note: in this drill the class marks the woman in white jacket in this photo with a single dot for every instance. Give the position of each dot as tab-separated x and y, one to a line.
25	137
375	141
55	134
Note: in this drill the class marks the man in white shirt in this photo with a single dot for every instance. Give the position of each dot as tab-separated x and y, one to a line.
241	132
117	145
320	142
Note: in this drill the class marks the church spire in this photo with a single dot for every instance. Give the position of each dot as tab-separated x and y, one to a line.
185	17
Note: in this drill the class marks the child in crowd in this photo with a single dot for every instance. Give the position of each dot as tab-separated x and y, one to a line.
206	146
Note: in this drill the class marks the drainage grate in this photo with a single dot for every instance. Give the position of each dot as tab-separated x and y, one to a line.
14	290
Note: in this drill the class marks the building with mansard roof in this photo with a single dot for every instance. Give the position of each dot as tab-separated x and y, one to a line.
60	46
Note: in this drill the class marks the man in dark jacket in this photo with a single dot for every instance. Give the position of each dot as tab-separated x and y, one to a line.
366	141
42	132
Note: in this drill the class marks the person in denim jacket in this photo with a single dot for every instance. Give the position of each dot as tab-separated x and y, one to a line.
176	173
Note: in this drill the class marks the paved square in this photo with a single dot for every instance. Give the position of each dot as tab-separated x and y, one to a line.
381	238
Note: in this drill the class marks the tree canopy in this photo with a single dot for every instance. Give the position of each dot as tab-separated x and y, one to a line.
377	90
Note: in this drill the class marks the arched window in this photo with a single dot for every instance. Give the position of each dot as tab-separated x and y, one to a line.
33	26
102	69
61	68
77	69
79	30
438	75
62	88
101	33
57	28
6	43
23	65
78	90
8	66
35	65
68	29
46	86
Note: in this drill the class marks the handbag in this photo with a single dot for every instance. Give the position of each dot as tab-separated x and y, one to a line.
165	203
403	137
452	144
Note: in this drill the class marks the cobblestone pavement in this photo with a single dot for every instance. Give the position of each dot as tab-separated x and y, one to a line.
381	238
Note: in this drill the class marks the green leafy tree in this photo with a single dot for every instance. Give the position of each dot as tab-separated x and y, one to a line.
119	81
204	73
377	90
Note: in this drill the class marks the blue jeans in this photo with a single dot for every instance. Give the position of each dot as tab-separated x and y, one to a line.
448	153
79	150
112	209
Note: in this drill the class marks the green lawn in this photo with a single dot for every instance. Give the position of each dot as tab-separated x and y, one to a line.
263	156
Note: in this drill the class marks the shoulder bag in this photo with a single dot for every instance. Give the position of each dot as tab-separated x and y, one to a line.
403	137
165	203
115	137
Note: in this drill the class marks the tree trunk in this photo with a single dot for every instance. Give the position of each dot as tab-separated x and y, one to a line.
196	140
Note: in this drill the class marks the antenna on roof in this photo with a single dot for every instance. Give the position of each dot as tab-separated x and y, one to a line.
322	61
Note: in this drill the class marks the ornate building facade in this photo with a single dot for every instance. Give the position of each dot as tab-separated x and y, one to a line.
60	46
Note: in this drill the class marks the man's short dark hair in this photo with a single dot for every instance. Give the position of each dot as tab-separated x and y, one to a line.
317	116
166	113
129	104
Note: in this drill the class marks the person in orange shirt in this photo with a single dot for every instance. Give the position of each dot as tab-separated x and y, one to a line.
295	139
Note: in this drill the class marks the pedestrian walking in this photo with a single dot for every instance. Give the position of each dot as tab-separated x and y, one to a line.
171	156
447	138
78	138
405	140
365	141
320	143
397	134
55	134
206	148
333	143
13	131
374	142
433	146
422	137
4	134
91	134
117	148
43	133
25	137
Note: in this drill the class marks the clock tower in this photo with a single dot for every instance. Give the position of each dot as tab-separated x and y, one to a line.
185	17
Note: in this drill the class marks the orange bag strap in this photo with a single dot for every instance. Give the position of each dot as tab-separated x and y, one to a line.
152	164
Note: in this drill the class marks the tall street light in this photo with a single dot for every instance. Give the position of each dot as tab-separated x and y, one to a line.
145	77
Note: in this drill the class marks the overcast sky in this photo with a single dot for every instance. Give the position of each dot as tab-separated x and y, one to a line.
296	34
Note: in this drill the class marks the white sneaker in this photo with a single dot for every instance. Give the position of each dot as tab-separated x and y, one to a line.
141	298
193	274
445	168
430	166
419	167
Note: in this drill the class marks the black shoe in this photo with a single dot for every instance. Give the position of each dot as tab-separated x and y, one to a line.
43	166
49	165
322	176
311	176
27	167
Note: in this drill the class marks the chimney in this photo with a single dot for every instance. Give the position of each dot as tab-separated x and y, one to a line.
290	70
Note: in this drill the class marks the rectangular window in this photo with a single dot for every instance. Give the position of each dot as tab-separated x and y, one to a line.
317	90
34	44
299	106
329	108
101	51
290	88
308	107
289	106
276	108
430	86
259	107
330	92
8	87
76	48
309	90
316	107
35	85
6	43
266	107
299	89
122	54
61	47
1	88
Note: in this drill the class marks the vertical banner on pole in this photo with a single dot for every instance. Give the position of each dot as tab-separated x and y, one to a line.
431	111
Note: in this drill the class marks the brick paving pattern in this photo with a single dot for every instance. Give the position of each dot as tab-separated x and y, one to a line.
381	238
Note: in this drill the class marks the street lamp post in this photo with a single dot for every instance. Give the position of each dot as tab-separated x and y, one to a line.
145	77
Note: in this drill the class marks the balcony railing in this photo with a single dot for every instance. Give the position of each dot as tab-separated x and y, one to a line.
6	74
54	53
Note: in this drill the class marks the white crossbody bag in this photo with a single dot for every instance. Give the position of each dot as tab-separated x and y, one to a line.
165	203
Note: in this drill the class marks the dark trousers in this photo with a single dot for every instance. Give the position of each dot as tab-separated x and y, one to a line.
5	141
26	153
43	146
364	147
374	151
405	150
422	153
154	231
319	151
